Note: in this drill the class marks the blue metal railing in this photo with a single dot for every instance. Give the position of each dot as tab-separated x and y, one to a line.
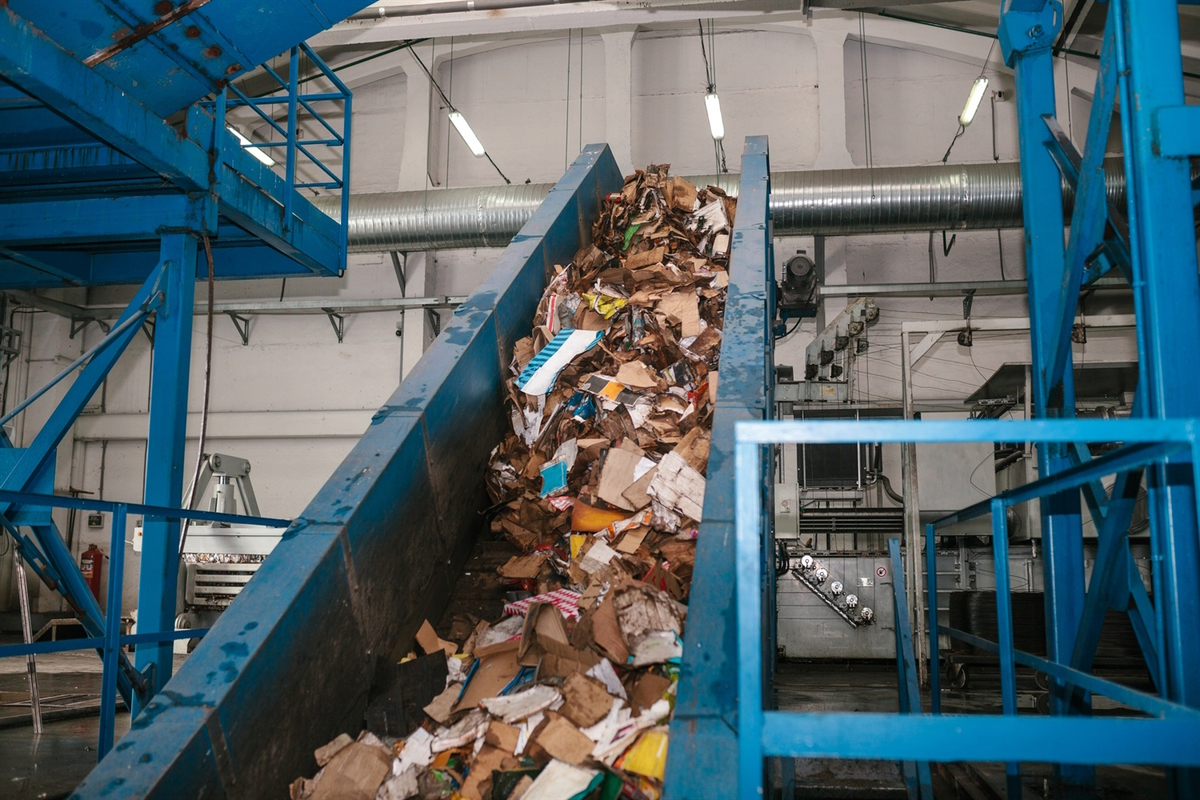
1166	735
110	643
916	774
297	151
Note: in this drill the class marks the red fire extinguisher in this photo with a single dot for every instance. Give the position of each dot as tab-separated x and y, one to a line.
91	564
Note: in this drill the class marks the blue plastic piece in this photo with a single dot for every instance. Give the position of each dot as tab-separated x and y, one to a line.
288	665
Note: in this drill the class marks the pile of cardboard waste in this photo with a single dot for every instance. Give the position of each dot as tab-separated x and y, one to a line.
600	483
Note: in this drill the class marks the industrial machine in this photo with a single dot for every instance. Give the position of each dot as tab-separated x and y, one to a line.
218	558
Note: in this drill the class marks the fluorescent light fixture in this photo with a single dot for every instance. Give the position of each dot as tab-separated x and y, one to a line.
973	100
715	124
255	150
468	135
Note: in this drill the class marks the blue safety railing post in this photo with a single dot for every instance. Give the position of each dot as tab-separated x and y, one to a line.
164	459
290	166
1004	623
112	632
935	678
748	589
916	773
345	187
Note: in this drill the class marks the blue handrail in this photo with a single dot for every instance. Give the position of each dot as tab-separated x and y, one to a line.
1166	735
109	645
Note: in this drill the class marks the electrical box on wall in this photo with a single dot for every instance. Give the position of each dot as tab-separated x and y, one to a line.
95	520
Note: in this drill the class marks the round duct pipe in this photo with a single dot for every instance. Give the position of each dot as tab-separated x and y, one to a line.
809	202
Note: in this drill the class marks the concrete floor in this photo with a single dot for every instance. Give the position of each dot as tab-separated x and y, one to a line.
51	765
825	687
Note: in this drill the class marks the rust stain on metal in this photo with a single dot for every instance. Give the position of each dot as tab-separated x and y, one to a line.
212	51
192	32
144	30
232	69
163	7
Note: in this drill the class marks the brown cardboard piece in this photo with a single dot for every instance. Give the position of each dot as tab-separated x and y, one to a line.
636	493
683	194
606	632
545	643
502	736
648	689
632	540
682	306
325	753
562	740
355	773
587	702
489	759
616	475
693	448
442	707
645	258
431	643
490	676
637	375
523	567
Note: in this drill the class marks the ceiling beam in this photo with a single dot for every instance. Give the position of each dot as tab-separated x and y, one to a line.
558	17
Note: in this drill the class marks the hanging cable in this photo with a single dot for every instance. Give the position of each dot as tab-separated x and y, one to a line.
866	92
450	94
996	158
208	347
567	120
581	90
710	77
450	106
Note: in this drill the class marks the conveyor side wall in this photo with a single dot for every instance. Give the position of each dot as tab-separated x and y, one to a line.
701	760
288	665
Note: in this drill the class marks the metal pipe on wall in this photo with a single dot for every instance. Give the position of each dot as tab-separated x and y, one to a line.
809	202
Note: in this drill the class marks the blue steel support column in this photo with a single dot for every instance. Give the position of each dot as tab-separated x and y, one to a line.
1027	32
164	455
1165	271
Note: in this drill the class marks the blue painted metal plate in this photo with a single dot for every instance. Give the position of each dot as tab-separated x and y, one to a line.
43	483
187	59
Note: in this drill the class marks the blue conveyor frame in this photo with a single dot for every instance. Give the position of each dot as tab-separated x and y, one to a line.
288	665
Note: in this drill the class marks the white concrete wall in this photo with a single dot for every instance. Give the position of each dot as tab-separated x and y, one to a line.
799	83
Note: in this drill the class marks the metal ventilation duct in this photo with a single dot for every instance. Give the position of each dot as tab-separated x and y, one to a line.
821	202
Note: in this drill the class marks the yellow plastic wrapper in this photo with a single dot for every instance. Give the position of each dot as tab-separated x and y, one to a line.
649	756
578	540
604	305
